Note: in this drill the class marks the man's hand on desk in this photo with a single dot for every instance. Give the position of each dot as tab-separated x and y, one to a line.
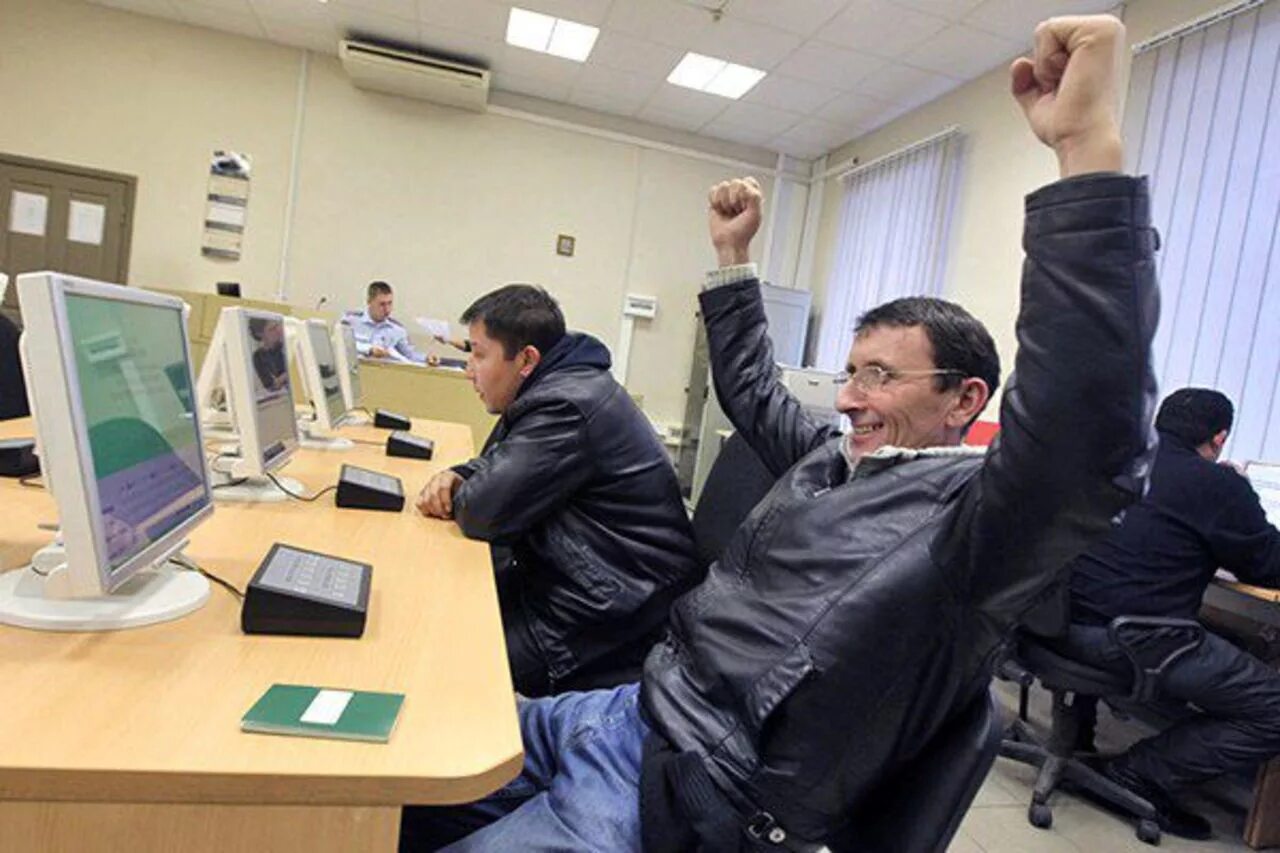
379	352
436	498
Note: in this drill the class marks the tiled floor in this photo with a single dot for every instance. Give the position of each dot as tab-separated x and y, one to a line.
997	822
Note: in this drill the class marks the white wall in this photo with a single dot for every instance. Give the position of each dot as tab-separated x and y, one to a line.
1002	162
442	203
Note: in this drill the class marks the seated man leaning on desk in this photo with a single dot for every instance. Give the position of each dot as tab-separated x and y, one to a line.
575	483
377	335
860	605
1198	516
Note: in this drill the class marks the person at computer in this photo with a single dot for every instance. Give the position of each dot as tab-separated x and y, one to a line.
574	481
861	604
378	335
1198	516
13	387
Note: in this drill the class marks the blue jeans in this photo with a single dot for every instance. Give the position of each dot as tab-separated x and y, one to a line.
579	790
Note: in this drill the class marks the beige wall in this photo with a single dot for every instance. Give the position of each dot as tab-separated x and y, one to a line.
442	203
1002	162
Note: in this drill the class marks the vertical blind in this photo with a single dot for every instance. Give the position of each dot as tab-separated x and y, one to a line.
895	223
1203	120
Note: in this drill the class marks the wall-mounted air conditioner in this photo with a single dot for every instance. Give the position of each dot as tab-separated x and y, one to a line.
415	75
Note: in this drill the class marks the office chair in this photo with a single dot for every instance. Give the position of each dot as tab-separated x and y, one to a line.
1150	645
737	481
919	809
13	387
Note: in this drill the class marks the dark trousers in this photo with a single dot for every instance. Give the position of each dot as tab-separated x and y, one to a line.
1236	701
529	672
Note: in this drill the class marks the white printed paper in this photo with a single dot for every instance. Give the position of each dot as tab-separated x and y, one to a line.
434	327
326	709
28	213
85	222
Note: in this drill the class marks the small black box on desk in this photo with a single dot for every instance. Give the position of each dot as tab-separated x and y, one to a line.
306	593
409	445
390	420
360	488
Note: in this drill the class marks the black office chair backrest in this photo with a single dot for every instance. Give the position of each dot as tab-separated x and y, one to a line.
13	390
1051	616
738	480
920	808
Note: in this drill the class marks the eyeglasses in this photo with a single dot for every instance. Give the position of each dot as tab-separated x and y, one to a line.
873	377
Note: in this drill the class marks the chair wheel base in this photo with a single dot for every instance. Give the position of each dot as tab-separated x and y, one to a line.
1149	832
1041	817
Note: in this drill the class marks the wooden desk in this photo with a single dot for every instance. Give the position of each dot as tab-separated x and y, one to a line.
425	392
130	740
1252	611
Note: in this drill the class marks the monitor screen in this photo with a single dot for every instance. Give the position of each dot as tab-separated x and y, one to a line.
134	391
272	393
323	348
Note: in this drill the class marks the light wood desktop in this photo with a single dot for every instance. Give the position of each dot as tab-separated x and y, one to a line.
130	740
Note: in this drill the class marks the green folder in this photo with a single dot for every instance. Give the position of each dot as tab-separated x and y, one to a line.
293	709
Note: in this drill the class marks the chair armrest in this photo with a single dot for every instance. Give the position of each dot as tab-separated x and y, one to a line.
1152	644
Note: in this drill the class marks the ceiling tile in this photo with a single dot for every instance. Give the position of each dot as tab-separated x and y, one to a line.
767	119
852	108
828	65
900	84
962	52
319	40
802	17
394	8
744	134
143	7
952	10
351	21
480	17
607	102
583	11
812	138
301	13
627	53
686	102
518	62
670	119
208	8
880	28
788	93
1017	19
746	43
465	46
626	86
521	85
664	21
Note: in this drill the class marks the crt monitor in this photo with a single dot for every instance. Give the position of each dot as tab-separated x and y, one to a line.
109	377
247	370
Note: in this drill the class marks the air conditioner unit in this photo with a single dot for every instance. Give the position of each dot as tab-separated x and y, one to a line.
415	75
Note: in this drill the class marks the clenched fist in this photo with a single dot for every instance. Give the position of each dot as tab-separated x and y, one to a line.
734	218
436	498
1068	89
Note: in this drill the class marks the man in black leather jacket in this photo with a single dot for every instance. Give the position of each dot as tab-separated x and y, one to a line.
861	604
574	483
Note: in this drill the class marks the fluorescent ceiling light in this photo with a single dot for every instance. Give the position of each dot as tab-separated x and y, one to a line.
714	76
545	34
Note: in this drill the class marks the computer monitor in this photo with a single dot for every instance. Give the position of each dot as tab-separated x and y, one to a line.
229	288
247	371
1265	478
348	357
121	451
313	348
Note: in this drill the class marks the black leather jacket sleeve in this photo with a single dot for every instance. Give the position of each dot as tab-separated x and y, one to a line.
742	369
1240	537
1075	442
525	476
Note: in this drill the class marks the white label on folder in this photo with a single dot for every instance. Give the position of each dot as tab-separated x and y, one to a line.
327	707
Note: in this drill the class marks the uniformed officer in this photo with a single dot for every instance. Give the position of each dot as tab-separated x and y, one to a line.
377	335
